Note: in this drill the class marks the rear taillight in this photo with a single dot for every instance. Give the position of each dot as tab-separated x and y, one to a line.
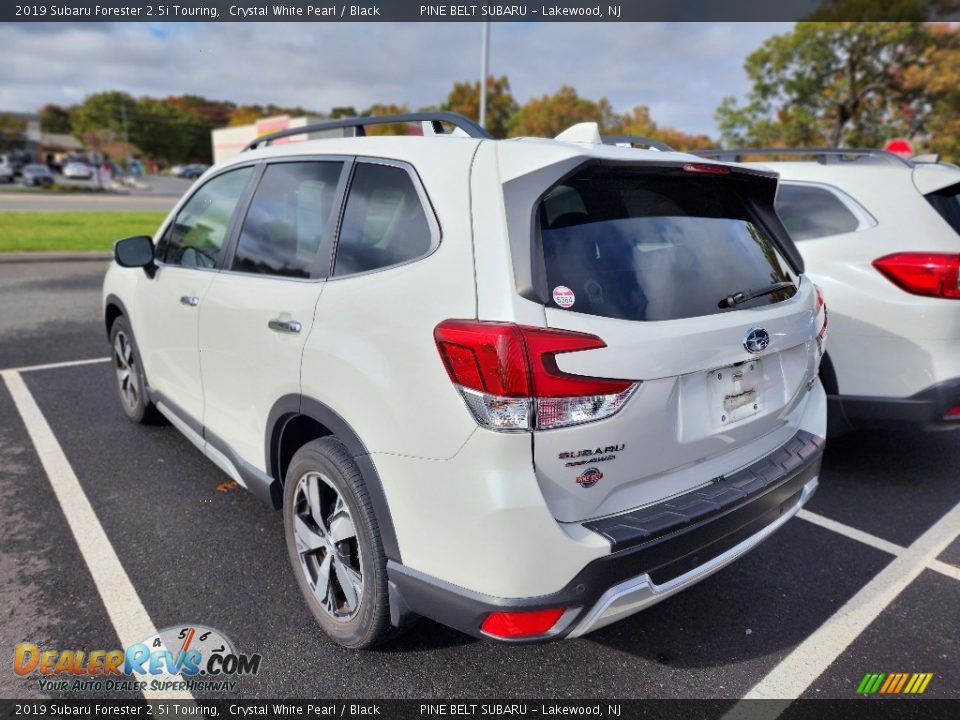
923	273
509	625
509	379
821	320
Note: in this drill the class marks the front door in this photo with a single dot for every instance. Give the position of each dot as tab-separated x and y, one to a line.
166	313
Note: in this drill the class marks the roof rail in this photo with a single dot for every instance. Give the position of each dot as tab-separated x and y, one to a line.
435	119
824	155
633	140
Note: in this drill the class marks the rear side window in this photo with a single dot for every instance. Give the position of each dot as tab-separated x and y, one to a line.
195	237
384	223
654	246
288	218
810	212
947	203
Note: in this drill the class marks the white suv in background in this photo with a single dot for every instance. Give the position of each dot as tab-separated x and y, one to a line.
880	235
524	388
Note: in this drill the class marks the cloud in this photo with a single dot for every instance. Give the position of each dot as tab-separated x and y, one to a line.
681	70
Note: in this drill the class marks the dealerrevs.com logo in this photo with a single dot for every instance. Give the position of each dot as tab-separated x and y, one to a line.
195	658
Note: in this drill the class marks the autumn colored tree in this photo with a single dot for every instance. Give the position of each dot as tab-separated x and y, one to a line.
387	128
639	122
550	115
832	83
939	78
464	98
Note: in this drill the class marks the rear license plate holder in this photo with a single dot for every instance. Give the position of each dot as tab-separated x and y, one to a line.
735	392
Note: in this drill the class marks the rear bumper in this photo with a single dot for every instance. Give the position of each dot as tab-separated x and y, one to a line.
655	552
927	409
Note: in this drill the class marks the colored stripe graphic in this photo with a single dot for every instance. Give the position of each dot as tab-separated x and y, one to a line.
894	683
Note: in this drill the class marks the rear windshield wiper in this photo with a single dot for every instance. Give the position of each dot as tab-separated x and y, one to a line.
741	296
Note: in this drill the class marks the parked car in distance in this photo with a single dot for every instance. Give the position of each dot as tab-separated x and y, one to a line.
881	236
6	173
525	388
192	172
75	170
36	174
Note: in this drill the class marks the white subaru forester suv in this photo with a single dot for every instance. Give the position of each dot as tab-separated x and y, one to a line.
524	388
881	236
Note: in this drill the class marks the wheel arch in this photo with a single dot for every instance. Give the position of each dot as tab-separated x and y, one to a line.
113	308
296	420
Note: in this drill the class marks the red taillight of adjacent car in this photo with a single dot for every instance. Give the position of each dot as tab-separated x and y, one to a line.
508	375
515	625
923	273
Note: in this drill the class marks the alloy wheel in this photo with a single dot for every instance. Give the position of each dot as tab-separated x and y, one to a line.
326	539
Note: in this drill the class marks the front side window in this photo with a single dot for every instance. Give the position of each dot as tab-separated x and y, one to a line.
384	222
196	236
288	218
809	212
654	245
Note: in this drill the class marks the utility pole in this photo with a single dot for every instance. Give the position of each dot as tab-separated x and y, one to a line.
484	72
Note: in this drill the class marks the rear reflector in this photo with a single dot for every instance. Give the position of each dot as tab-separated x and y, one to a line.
953	413
509	379
923	273
521	624
706	168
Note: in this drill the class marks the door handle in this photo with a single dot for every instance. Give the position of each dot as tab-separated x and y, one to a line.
191	300
284	326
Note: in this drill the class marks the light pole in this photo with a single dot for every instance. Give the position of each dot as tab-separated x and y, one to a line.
484	72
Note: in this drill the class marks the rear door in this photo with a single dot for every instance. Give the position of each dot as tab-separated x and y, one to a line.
258	313
647	260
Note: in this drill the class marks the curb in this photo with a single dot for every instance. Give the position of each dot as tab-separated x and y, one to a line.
27	257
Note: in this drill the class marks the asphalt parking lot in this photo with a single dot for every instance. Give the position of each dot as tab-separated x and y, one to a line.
867	579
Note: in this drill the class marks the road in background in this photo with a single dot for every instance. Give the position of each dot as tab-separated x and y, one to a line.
162	195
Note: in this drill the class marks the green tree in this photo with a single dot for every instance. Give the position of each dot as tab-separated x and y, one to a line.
54	119
464	98
835	83
550	115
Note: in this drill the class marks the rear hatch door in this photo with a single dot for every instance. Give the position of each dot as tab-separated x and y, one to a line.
647	258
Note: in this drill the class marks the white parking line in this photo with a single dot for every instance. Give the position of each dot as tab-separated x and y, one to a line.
941	567
123	605
851	532
53	366
798	670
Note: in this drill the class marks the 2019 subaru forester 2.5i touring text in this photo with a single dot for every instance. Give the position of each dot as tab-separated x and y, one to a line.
525	388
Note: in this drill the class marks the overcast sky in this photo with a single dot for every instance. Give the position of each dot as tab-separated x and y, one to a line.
680	70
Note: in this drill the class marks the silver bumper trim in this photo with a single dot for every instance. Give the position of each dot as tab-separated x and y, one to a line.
640	592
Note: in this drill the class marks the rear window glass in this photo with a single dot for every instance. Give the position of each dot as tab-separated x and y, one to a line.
647	246
947	203
811	212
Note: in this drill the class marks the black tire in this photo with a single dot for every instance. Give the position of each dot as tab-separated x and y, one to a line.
328	463
131	381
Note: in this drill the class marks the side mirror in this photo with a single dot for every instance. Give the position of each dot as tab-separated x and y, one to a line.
133	252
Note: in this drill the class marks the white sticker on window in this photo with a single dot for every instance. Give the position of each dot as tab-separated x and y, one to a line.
563	296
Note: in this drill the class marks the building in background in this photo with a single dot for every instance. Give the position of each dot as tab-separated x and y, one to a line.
229	141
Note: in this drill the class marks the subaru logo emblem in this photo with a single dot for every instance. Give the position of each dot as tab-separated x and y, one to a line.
757	340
